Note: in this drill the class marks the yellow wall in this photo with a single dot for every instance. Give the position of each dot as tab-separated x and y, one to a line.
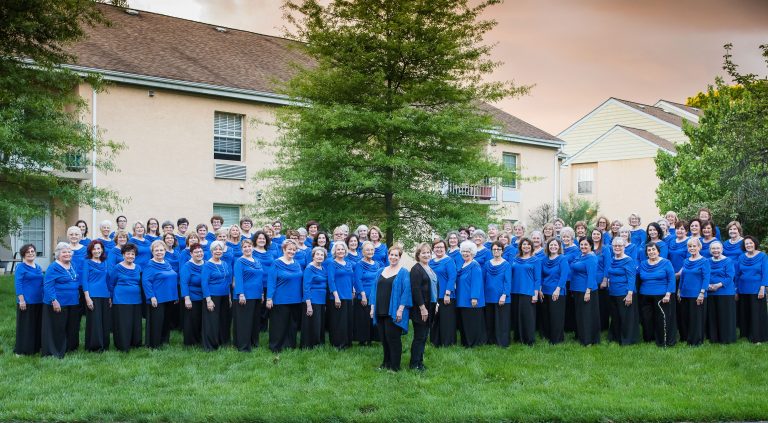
619	143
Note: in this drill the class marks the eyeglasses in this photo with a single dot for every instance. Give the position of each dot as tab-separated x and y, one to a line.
496	249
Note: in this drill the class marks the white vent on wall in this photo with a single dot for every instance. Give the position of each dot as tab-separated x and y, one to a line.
228	171
133	12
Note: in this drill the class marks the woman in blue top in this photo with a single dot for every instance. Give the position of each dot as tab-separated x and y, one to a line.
526	284
248	294
192	292
638	235
304	253
284	298
83	226
160	283
79	251
341	276
692	292
602	249
453	250
470	297
125	285
105	228
228	256
98	299
554	271
655	236
631	249
366	273
444	329
153	230
657	284
570	251
498	285
733	247
61	314
233	242
621	287
707	237
678	247
143	244
261	252
215	280
115	254
483	254
583	282
751	282
315	290
172	257
379	248
28	280
390	300
721	301
353	244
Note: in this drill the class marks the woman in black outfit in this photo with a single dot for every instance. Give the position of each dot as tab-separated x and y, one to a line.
423	289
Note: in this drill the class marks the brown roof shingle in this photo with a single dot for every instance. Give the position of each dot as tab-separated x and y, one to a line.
655	112
661	142
174	48
512	125
693	110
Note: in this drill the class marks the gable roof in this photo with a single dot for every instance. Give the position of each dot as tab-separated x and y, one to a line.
692	110
653	138
656	112
512	125
162	46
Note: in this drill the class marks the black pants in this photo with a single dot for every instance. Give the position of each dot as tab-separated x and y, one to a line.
497	323
284	321
523	318
721	319
587	316
472	326
175	313
363	330
29	324
192	324
216	323
553	318
420	335
246	319
569	316
158	331
692	321
59	331
753	317
390	335
624	321
445	325
313	327
605	308
340	324
658	320
126	329
98	325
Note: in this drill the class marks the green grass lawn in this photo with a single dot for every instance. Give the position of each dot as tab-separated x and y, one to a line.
564	382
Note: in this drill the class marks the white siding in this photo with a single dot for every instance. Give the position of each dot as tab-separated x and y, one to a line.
618	144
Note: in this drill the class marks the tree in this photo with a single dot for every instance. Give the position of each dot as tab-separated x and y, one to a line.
541	215
40	130
577	209
725	165
393	119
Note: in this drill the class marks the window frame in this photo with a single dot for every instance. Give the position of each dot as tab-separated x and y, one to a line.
514	183
227	133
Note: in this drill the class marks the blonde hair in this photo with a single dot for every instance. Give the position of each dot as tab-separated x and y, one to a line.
156	243
396	247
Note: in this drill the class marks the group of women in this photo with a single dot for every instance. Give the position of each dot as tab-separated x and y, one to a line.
225	286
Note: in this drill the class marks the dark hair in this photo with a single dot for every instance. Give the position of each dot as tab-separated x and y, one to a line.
129	247
293	232
175	240
167	223
25	248
117	219
753	239
589	240
85	234
705	223
440	241
195	246
158	227
463	229
656	226
681	224
217	217
278	221
94	243
497	244
602	237
520	246
327	241
695	219
650	244
181	221
256	236
559	247
350	236
310	223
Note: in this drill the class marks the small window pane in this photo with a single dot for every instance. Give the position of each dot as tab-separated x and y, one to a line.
227	136
230	213
510	163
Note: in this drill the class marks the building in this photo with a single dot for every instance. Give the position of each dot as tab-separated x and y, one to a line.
191	101
611	151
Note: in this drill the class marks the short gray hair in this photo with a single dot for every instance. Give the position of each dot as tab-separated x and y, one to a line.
320	249
61	247
340	243
468	246
480	233
218	244
619	241
567	231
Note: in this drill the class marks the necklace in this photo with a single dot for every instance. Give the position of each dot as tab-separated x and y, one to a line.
72	273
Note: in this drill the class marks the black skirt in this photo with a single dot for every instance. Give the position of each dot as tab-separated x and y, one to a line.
363	330
192	324
497	323
587	318
523	319
158	331
658	320
605	307
312	327
284	322
624	327
126	328
29	324
98	325
246	319
340	324
60	331
553	318
721	319
692	321
473	326
753	318
445	324
215	323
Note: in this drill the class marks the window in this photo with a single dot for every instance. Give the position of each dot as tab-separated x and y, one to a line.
585	181
227	136
33	232
230	213
510	163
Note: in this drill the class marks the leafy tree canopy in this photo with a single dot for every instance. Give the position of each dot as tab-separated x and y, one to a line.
393	118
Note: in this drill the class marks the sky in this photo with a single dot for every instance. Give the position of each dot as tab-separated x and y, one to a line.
576	53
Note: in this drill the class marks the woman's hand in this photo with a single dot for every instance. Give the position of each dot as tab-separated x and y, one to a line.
503	299
666	298
309	309
336	300
89	302
187	303
474	302
399	314
269	304
424	313
535	297
556	294
209	304
153	301
761	293
56	306
604	283
447	299
241	300
700	299
22	305
678	296
587	295
110	303
628	299
363	299
371	312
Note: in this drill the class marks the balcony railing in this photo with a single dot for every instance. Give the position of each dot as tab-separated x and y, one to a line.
77	163
477	192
